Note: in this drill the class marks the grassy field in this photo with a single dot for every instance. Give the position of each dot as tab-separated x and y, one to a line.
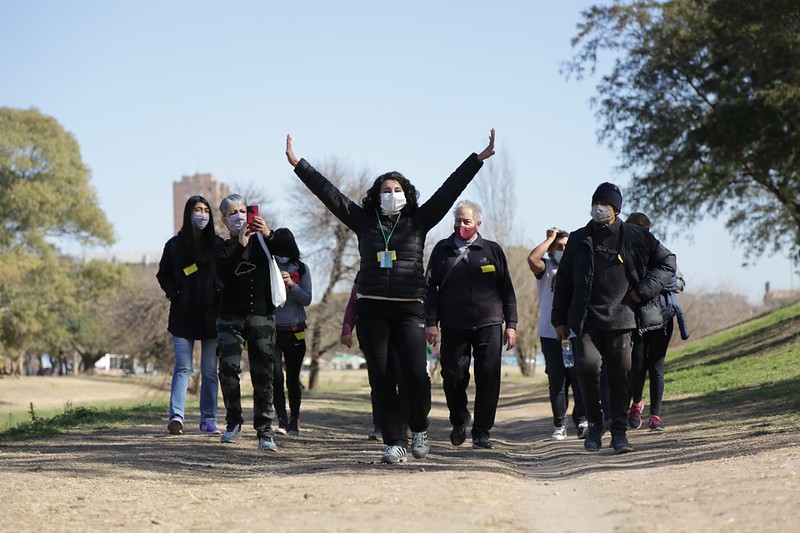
751	372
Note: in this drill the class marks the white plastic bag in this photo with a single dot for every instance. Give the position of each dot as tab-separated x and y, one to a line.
277	287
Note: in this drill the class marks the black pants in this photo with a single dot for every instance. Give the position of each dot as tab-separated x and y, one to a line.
593	349
559	380
392	335
649	352
484	345
293	350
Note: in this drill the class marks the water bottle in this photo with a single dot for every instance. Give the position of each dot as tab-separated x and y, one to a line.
566	353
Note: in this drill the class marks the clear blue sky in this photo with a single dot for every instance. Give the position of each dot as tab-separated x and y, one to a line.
155	90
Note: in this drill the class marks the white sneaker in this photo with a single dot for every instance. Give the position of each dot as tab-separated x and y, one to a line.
280	431
583	429
559	433
231	434
394	454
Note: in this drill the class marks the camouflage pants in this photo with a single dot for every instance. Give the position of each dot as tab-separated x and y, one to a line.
259	332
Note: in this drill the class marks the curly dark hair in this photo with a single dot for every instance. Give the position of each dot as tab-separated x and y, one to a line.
372	201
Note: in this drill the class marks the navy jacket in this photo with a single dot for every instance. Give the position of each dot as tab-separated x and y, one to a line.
477	292
406	278
649	267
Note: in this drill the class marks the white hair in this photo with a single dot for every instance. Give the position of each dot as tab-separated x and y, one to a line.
476	209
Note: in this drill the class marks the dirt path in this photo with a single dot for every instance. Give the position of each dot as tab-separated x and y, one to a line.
702	474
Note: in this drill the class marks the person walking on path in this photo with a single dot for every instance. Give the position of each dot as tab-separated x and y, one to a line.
391	227
650	348
246	314
290	323
187	276
543	262
608	284
471	295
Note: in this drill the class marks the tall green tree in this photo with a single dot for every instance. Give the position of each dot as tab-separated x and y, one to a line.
703	101
44	194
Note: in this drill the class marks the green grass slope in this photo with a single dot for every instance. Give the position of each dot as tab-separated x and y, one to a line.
748	374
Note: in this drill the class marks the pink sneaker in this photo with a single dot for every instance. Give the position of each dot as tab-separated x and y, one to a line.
656	424
635	415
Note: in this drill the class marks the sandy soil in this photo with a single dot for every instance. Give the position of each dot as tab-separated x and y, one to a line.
708	472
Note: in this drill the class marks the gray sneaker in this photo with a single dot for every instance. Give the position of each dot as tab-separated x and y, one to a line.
231	433
267	444
393	455
419	444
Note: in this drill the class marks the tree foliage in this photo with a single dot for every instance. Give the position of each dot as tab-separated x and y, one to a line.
703	100
44	194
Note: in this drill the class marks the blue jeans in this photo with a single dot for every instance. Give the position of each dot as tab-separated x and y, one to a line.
180	378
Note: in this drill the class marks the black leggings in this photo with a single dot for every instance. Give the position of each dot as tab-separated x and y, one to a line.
649	352
293	350
381	324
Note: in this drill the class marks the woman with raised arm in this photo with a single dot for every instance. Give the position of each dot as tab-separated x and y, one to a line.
391	227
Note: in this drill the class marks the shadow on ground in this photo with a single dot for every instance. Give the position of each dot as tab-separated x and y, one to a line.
333	442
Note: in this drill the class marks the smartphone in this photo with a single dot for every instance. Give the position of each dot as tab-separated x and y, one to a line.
252	212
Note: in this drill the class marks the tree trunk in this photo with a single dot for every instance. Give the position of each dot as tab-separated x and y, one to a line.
313	369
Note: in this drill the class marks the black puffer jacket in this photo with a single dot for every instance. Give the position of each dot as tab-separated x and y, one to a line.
194	297
406	277
649	267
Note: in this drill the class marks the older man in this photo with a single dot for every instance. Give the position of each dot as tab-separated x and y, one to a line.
607	286
470	294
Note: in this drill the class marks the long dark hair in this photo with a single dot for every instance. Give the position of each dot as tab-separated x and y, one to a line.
203	250
283	243
372	200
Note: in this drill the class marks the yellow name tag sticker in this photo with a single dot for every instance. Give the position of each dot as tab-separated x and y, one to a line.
300	335
487	268
392	252
191	269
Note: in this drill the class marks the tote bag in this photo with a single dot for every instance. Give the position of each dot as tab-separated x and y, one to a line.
276	284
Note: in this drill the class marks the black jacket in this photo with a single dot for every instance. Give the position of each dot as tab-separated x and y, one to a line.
649	267
194	297
477	292
244	292
406	277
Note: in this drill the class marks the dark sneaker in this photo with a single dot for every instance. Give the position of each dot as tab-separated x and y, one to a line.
593	441
656	424
292	429
394	455
482	443
620	444
583	429
376	433
419	444
635	415
459	433
175	425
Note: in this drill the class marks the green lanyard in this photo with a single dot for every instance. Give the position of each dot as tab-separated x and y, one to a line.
385	238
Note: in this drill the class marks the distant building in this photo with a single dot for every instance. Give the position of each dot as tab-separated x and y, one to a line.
205	185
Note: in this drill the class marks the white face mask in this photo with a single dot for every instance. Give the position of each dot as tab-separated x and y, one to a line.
602	213
392	202
200	221
236	222
558	255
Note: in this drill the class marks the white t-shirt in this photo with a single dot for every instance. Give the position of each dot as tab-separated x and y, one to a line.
546	284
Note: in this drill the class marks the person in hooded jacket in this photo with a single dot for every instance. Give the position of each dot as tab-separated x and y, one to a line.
607	286
188	278
391	227
290	326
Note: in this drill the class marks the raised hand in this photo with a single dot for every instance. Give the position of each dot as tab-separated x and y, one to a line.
290	153
489	150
